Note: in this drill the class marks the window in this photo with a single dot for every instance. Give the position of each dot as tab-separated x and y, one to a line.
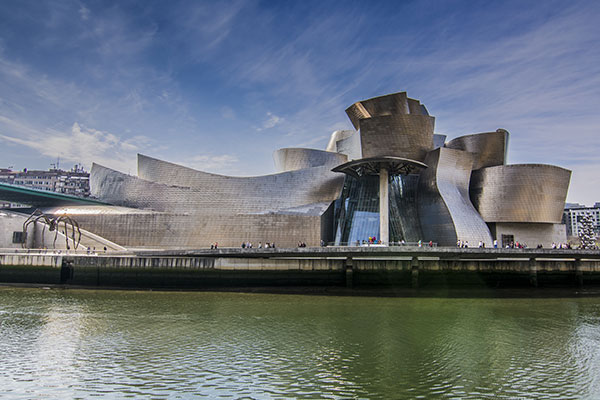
19	237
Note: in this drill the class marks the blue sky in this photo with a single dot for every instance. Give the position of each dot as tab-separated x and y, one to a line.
220	85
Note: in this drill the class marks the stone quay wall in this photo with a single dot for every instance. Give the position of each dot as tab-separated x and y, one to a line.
345	267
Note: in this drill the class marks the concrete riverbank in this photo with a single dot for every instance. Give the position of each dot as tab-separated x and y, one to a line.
352	267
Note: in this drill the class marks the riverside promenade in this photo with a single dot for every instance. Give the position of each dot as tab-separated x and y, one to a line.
352	267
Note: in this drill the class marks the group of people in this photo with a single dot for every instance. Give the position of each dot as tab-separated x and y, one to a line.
464	244
248	245
301	244
516	245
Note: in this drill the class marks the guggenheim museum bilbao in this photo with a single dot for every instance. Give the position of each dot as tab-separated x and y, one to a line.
391	178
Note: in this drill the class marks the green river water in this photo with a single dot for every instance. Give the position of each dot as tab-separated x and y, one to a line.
67	344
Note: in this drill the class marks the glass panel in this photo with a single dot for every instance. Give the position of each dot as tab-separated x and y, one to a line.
357	210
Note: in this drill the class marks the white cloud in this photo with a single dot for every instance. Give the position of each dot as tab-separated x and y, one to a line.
272	121
84	12
79	144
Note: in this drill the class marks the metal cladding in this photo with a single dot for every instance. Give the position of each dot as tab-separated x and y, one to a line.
445	209
489	148
441	191
393	125
345	142
197	208
520	192
163	186
292	159
391	104
407	136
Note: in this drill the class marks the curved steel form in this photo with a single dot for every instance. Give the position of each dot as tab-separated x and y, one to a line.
196	208
392	178
293	159
336	137
345	142
520	192
391	104
407	136
489	148
161	182
446	212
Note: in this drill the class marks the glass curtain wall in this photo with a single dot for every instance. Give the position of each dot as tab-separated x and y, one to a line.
357	210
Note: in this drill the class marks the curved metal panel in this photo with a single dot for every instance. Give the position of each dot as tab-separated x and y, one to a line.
165	186
345	142
292	159
390	104
406	136
336	137
446	212
489	147
204	208
520	192
184	230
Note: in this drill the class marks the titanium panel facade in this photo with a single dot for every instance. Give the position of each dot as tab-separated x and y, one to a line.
489	148
195	208
446	212
406	136
218	195
391	104
292	159
176	230
520	192
171	206
346	142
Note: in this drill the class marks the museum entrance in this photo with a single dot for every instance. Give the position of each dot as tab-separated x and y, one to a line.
507	240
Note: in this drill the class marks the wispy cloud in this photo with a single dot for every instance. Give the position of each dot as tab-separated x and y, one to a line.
84	12
78	144
254	76
271	121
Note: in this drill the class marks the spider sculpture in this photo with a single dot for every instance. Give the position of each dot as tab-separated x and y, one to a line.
53	223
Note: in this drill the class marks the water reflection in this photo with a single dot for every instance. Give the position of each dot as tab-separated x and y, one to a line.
69	344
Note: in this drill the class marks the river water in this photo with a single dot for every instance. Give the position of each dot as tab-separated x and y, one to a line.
67	344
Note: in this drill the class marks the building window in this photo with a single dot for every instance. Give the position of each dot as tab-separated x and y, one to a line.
19	237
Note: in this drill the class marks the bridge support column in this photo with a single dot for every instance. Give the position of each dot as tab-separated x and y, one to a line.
414	270
578	272
349	272
533	278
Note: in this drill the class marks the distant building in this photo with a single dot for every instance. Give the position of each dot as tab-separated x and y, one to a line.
571	218
75	182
